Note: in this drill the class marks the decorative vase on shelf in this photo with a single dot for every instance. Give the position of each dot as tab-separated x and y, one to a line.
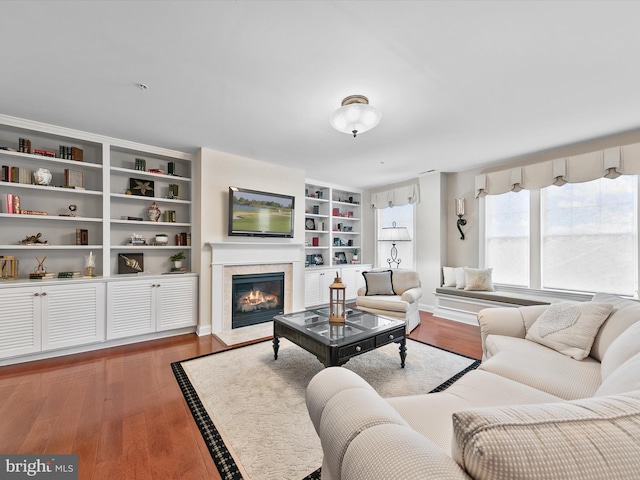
153	212
42	176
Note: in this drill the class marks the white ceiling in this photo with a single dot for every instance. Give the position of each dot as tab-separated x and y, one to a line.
459	84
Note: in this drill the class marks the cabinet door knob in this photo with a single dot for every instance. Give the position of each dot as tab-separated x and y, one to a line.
153	285
44	294
358	348
390	337
36	294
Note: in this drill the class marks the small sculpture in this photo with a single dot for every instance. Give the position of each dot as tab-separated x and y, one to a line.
72	210
40	269
33	239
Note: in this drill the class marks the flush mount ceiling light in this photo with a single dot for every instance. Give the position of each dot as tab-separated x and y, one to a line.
355	115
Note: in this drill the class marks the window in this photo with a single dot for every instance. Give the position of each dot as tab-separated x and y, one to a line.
404	217
584	238
507	237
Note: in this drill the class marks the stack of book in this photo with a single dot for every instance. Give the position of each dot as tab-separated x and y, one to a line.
16	174
70	153
141	164
40	276
183	238
24	145
69	274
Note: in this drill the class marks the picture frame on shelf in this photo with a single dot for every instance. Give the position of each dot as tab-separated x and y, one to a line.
318	260
130	263
310	224
341	258
141	187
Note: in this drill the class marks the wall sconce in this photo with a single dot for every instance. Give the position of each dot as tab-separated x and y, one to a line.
460	213
394	234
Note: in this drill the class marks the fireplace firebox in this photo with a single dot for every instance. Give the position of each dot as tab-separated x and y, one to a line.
256	298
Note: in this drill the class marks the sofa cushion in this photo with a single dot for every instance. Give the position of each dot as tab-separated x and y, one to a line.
383	302
623	379
478	388
621	349
541	367
569	327
378	283
625	313
478	279
594	438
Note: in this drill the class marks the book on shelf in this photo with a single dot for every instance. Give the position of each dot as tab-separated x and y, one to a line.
183	238
73	178
33	212
70	153
126	217
69	274
82	236
24	145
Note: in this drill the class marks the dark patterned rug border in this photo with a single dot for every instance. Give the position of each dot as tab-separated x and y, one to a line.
220	454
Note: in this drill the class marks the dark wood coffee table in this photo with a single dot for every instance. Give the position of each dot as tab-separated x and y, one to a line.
334	344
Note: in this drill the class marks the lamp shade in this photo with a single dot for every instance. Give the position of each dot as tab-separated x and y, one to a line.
355	116
394	234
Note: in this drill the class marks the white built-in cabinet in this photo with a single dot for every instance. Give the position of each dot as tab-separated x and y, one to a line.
318	279
38	318
51	315
144	306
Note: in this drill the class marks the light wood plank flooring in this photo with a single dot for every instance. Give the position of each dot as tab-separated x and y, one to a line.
121	410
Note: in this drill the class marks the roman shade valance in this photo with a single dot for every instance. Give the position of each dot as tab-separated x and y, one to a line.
608	163
396	197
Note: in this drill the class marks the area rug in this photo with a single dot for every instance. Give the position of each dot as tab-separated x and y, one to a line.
251	410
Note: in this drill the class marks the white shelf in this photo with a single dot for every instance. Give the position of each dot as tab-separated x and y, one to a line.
148	223
149	199
150	247
54	218
53	160
145	174
50	188
50	247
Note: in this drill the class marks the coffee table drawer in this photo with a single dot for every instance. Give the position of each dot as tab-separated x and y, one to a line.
357	348
389	337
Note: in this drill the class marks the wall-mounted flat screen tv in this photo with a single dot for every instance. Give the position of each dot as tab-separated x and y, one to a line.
260	214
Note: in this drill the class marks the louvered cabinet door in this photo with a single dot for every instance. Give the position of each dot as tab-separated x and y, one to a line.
72	314
20	325
130	308
177	302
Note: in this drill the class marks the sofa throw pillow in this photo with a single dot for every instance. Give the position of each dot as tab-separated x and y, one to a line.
478	279
586	439
378	283
569	327
459	273
449	277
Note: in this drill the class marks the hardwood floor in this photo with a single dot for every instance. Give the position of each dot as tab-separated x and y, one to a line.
121	410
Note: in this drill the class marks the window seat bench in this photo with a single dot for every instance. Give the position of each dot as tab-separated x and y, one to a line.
463	305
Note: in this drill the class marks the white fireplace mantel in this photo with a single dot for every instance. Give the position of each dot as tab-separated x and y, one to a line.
228	257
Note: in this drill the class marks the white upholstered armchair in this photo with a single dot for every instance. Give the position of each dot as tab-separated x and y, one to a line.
392	292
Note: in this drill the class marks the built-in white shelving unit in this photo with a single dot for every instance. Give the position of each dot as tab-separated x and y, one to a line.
54	316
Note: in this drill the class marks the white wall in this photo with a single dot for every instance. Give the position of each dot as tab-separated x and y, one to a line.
215	172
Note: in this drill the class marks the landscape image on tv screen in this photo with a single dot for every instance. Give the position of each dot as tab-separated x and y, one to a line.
260	213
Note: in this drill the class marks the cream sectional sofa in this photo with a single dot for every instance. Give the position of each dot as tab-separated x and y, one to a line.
528	411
